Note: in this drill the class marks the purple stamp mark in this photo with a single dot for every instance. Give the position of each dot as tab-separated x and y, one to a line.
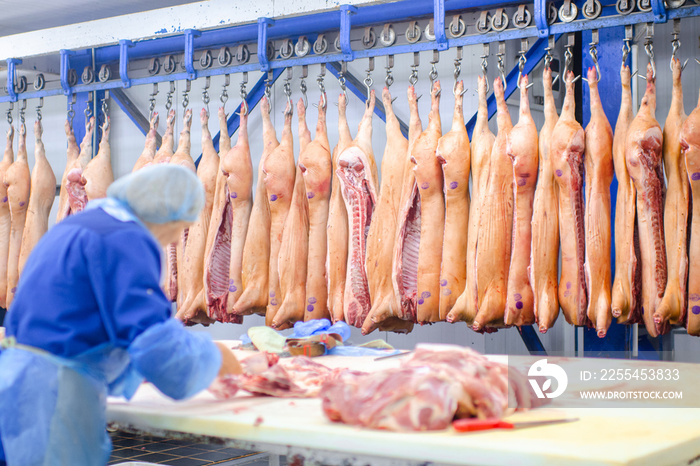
443	282
310	307
522	181
312	300
519	305
4	199
273	302
446	292
421	301
696	310
21	203
568	285
425	185
559	173
695	176
425	295
273	197
310	195
234	195
518	296
232	288
694	297
272	294
454	185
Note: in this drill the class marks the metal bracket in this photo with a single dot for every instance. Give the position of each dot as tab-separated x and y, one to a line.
65	67
345	25
659	9
439	24
124	62
541	18
263	24
190	34
11	68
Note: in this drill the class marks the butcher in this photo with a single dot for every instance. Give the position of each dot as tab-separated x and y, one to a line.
90	319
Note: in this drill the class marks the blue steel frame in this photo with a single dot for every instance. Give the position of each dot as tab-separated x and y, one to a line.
346	17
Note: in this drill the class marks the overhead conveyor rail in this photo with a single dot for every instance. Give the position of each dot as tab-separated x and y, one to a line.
335	37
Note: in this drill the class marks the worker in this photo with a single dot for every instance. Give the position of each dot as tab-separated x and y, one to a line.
89	319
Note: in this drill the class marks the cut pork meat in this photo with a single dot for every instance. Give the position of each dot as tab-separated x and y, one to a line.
690	152
357	172
316	167
465	307
42	195
625	304
522	148
644	164
382	230
598	163
74	182
256	251
566	151
544	253
493	247
672	308
453	153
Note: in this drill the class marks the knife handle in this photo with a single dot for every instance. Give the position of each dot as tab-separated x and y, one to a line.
473	425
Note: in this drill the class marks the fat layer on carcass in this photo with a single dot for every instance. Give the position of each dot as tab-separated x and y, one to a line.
598	162
280	173
465	307
256	251
98	172
672	308
316	167
690	152
404	269
42	195
382	231
453	153
522	148
149	149
5	222
493	247
357	172
626	286
192	307
644	164
17	181
566	151
337	230
294	249
544	251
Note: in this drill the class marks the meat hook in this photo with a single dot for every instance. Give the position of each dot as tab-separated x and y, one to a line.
38	108
322	87
501	67
71	112
244	95
485	65
302	84
522	59
205	93
288	92
152	100
105	111
224	91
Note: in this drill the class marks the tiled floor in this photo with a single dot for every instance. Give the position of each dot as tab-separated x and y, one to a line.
130	447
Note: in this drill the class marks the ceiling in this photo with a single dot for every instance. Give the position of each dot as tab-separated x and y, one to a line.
24	16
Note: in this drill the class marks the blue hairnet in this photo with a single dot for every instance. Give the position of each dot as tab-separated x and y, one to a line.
160	193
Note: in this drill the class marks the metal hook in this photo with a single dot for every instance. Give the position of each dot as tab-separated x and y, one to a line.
22	110
501	67
169	97
341	79
244	95
389	79
224	91
288	91
413	78
485	64
105	111
88	110
152	101
186	94
522	59
676	42
302	84
71	112
38	108
205	93
593	51
457	72
368	79
322	87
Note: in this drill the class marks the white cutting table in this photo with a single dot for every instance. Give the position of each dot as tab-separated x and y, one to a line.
297	427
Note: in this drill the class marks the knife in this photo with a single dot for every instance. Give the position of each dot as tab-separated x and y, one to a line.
474	425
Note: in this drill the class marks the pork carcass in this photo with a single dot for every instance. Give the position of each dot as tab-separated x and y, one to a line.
192	307
5	222
522	148
280	173
42	195
256	251
98	173
357	172
294	249
404	268
598	164
626	286
165	151
453	153
149	150
544	252
644	164
17	181
337	231
75	183
163	155
382	230
72	155
672	308
493	247
316	167
690	152
238	168
566	151
482	143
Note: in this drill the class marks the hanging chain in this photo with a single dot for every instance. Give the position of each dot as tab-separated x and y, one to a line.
244	94
205	93
186	94
105	111
88	110
302	84
368	79
169	97
71	111
288	91
389	79
649	47
501	66
224	90
12	106
152	101
38	108
413	78
22	109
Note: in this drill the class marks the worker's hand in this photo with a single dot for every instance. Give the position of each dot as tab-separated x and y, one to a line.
229	363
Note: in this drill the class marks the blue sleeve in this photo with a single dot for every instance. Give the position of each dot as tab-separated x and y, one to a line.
124	269
178	362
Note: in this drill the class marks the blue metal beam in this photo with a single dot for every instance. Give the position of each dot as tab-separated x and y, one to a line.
534	56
